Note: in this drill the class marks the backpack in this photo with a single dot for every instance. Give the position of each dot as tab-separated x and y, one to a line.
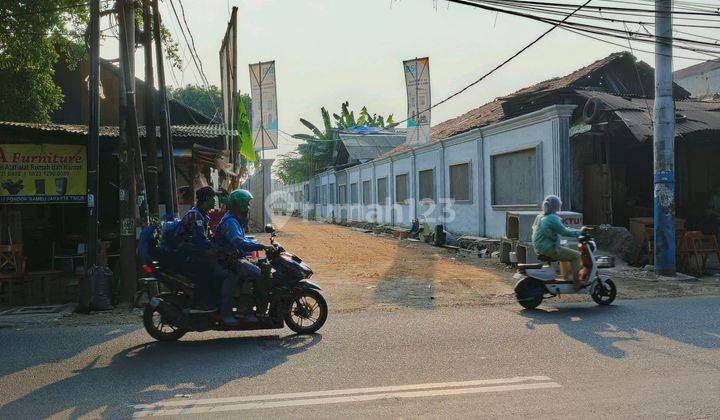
148	243
168	239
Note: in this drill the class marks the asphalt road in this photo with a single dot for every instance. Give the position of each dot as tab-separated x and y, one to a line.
643	358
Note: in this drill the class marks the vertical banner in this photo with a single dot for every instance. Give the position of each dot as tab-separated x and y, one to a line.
264	105
417	81
228	82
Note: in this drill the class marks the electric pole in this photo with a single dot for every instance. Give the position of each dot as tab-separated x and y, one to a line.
127	152
168	178
151	177
93	154
664	143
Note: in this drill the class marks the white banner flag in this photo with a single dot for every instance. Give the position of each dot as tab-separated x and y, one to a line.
417	80
264	105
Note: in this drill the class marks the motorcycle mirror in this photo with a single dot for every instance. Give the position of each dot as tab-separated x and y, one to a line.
269	228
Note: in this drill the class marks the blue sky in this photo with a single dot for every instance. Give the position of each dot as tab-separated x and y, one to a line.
329	51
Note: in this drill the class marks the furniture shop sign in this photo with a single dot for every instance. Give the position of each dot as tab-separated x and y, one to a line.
43	173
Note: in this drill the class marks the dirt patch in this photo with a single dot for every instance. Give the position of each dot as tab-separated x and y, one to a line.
359	270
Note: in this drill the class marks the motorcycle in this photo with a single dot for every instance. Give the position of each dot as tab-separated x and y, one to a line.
539	281
293	300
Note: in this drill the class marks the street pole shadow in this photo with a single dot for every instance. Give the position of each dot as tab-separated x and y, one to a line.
155	371
605	328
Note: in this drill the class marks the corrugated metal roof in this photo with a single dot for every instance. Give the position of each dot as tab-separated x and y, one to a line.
692	116
364	147
197	130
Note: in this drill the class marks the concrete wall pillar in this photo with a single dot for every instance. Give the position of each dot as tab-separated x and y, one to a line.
562	168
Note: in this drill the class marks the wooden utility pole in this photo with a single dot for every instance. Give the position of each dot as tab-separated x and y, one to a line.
93	154
151	177
127	152
168	178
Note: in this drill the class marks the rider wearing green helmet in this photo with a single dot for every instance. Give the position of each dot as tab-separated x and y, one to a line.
239	202
230	237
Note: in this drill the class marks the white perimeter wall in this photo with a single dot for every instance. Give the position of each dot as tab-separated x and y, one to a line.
546	130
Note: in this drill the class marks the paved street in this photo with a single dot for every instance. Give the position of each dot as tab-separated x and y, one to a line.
641	358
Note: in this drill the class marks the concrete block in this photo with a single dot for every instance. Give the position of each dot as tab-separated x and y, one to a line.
526	253
506	247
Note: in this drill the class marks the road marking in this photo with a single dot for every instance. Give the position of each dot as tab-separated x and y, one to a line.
215	405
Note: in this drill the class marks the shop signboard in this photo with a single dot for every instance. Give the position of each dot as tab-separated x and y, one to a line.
43	173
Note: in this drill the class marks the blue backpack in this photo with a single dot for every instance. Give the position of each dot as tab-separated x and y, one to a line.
168	236
148	243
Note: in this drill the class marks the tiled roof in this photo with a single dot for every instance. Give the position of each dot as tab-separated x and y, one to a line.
197	130
696	69
493	111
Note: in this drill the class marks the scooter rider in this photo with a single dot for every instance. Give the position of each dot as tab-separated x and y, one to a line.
200	256
547	229
230	237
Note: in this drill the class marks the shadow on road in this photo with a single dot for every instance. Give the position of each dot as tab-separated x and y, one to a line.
155	371
605	328
56	346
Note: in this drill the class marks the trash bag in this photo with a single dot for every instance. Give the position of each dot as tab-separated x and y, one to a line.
100	279
440	235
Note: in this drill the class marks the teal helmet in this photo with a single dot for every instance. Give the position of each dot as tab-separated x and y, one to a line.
240	200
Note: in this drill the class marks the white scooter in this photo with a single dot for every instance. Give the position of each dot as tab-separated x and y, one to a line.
536	282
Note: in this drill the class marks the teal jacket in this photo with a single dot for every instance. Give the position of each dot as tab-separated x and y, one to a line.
547	230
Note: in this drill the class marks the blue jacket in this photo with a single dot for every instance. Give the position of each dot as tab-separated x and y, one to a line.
193	230
230	236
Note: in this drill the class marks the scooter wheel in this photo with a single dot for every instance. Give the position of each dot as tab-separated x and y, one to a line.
604	295
531	302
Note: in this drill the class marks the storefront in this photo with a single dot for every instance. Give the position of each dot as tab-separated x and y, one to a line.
43	212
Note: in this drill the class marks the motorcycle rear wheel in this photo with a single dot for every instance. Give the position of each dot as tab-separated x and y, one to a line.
155	326
307	306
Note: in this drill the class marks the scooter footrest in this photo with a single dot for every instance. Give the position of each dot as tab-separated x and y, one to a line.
529	266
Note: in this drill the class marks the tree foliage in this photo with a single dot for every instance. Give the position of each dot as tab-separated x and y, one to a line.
315	153
209	102
33	34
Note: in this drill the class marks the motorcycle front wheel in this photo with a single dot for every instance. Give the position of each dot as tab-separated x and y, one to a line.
307	312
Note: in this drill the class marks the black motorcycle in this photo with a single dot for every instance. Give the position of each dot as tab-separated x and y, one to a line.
293	299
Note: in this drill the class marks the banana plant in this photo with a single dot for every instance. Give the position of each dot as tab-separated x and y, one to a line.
316	151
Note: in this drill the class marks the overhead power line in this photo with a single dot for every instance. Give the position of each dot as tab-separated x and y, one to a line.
193	52
711	49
